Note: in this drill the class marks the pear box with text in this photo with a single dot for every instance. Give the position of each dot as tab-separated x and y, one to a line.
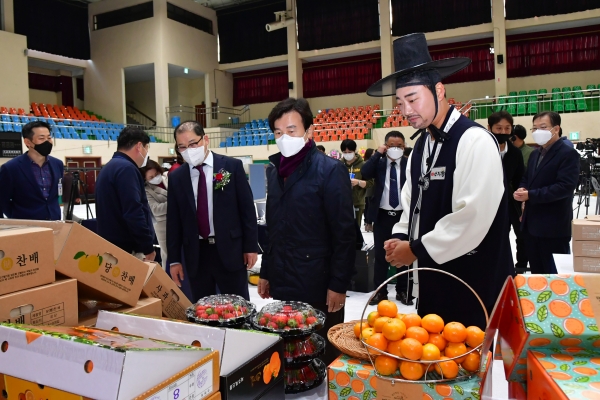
26	257
244	354
88	309
106	365
52	304
103	271
160	285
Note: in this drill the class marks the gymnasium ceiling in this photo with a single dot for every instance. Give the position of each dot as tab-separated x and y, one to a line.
214	4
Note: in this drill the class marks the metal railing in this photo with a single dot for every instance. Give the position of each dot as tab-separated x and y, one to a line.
235	116
139	116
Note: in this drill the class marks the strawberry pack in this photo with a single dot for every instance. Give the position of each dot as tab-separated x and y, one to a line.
222	310
289	318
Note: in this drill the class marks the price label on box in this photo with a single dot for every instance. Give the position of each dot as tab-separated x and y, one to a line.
194	386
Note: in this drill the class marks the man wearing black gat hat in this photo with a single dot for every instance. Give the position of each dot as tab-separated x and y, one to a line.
457	219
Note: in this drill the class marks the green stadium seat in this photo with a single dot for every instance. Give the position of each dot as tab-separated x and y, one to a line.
512	94
576	87
566	89
570	105
591	87
568	95
581	105
521	106
532	106
558	105
522	92
533	91
555	90
501	103
511	109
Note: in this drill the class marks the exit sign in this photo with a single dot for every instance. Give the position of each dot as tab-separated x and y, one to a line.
573	135
87	149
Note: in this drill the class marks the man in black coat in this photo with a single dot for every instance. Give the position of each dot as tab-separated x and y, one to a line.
211	219
501	124
310	220
387	166
122	210
547	192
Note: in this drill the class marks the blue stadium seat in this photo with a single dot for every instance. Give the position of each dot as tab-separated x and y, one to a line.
257	142
67	135
242	141
271	136
229	142
15	118
152	139
223	144
84	136
264	142
58	135
17	127
7	127
75	136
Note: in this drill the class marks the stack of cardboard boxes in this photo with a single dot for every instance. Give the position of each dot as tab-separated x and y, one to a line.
586	244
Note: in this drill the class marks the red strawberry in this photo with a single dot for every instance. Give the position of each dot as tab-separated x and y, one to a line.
262	322
220	309
230	308
287	328
272	325
228	316
287	309
301	326
213	316
267	315
244	310
204	316
311	320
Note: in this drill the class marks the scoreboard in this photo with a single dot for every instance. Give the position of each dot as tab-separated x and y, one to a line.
10	144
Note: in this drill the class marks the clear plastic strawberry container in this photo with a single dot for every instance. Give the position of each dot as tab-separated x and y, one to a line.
299	351
288	319
221	310
301	379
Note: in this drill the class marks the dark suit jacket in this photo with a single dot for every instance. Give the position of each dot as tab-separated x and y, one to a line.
375	168
20	195
549	210
514	168
234	217
122	210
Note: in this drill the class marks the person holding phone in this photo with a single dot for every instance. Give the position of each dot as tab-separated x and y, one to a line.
354	162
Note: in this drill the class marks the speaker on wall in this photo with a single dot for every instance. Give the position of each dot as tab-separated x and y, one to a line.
500	58
290	85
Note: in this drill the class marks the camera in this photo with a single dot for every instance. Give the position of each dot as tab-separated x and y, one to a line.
590	145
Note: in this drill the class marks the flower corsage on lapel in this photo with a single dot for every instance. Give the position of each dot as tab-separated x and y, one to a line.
221	178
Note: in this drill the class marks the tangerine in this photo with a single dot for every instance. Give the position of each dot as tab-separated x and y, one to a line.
443	390
474	336
411	370
387	308
416	332
378	341
411	349
559	308
519	281
367	333
432	323
573	326
379	322
537	283
559	287
357	327
411	320
372	317
455	350
527	307
430	352
394	329
471	362
342	378
455	332
438	340
569	342
357	386
447	369
579	280
394	348
386	365
586	308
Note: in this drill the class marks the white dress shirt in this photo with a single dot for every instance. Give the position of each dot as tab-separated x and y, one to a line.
385	197
208	173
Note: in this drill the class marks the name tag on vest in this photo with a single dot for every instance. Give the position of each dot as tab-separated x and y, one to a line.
438	174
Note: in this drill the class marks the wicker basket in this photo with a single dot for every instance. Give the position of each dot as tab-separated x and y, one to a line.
343	338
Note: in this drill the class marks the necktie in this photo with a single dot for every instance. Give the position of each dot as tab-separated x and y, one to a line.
394	201
202	205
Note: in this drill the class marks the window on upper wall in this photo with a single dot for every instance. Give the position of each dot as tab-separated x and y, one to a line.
189	18
123	16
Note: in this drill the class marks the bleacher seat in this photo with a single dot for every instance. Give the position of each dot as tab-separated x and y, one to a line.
58	135
152	139
67	135
84	136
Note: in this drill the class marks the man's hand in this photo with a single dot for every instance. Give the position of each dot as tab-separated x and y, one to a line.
381	149
250	259
400	255
521	194
150	257
263	289
177	274
389	245
335	301
354	182
77	200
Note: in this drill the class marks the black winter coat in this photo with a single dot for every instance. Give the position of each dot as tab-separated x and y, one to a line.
311	232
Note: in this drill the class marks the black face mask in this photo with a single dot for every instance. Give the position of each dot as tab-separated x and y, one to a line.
43	148
501	138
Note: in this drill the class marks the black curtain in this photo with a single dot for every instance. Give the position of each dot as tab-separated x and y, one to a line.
410	16
242	33
55	27
79	82
331	23
518	9
44	82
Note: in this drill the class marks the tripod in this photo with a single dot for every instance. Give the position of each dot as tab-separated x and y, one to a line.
585	188
73	196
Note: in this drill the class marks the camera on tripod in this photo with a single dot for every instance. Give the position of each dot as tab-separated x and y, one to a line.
589	145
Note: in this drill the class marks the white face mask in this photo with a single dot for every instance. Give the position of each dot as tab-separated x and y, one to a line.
542	136
192	156
395	153
145	158
290	145
156	180
348	156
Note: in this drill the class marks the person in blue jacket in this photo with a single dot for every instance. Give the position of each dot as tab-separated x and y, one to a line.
29	183
122	209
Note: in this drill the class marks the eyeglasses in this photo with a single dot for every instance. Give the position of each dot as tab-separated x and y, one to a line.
192	145
542	128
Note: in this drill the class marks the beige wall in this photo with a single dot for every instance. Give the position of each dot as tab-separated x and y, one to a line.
45	97
262	110
186	92
142	96
466	91
548	82
13	71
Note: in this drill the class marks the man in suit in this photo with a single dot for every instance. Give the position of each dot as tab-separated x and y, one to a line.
122	210
29	184
501	125
547	194
388	167
211	219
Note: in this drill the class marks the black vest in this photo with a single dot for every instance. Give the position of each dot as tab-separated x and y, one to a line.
485	268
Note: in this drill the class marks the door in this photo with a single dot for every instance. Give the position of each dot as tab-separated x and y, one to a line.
88	168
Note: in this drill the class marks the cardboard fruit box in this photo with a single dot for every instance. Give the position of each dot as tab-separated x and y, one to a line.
88	309
26	257
562	376
53	304
99	364
244	354
557	312
586	229
160	286
103	271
